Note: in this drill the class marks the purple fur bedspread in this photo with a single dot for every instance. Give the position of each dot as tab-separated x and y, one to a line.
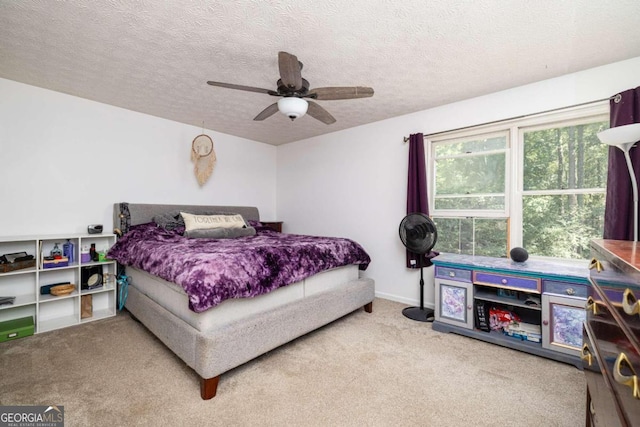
213	270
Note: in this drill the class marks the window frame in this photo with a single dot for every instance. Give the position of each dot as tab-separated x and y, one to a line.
514	162
499	213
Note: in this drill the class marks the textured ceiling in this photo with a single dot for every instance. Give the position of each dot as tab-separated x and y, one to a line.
156	56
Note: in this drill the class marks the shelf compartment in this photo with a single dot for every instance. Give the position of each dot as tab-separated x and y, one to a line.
98	315
58	313
20	301
23	287
71	266
105	288
17	272
57	323
500	339
49	297
485	295
14	312
103	306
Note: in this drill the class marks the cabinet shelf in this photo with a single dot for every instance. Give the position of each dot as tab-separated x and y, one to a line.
493	297
89	264
66	267
97	315
18	272
52	312
48	297
20	301
104	288
57	323
500	339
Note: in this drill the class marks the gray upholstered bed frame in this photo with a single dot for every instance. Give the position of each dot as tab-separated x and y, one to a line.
227	346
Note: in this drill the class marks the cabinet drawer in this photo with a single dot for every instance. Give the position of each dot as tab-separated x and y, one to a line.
507	281
603	407
564	288
459	274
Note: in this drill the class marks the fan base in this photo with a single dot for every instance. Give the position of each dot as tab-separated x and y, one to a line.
419	314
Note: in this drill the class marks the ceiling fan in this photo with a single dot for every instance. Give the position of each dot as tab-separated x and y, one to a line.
293	90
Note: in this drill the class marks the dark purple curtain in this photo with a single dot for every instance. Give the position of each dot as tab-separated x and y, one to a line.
618	212
417	192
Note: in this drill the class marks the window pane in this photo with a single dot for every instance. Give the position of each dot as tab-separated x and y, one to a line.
562	226
474	145
565	157
472	236
470	175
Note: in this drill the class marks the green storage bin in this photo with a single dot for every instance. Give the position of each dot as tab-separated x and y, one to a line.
16	328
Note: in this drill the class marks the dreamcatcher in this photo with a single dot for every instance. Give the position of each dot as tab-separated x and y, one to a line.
203	157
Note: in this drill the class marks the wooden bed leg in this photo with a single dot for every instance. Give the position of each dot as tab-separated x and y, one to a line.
208	387
368	307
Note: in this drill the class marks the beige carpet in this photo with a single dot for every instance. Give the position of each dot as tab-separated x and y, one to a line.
377	369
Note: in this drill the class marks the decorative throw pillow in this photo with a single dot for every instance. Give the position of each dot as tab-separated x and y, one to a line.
220	233
200	222
169	220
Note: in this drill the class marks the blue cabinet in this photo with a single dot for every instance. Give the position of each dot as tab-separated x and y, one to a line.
536	306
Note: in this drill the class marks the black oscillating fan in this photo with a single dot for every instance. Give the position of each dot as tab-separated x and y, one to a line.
418	234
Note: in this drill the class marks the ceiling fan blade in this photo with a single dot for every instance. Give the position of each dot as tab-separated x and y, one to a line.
240	87
289	70
319	113
333	93
267	112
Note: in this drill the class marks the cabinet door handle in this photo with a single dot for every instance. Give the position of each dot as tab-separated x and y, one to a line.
586	354
504	281
630	304
452	274
571	291
630	381
592	306
596	264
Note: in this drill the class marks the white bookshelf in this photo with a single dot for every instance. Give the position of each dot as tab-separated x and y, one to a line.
52	312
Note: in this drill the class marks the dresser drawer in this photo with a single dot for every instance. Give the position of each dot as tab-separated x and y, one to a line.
507	281
619	363
564	288
602	406
451	273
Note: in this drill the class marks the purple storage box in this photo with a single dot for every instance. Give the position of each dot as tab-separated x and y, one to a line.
55	263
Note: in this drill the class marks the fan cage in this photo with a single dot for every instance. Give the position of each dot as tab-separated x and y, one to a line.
418	233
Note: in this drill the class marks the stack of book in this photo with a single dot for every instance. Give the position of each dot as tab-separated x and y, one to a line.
524	331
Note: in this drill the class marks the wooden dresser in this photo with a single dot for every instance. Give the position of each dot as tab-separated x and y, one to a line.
611	349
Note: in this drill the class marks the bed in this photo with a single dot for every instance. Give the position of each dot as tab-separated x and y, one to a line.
215	336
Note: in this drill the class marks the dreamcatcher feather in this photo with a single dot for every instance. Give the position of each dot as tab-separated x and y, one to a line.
203	157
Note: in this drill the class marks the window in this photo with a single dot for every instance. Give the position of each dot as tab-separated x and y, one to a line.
471	173
537	182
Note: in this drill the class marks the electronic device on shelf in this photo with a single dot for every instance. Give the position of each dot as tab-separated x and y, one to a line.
15	257
94	229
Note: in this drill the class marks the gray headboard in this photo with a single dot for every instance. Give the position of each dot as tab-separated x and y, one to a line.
128	214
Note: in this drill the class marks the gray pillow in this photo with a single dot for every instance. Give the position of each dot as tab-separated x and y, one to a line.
220	233
169	220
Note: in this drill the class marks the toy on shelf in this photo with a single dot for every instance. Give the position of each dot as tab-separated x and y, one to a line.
500	318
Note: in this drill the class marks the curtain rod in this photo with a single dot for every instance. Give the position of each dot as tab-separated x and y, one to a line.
406	138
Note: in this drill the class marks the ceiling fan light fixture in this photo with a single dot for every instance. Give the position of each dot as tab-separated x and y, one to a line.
293	107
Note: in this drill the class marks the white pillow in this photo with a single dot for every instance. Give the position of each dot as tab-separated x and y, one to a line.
204	222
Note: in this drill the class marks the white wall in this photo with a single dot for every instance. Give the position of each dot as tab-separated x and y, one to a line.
65	160
353	183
